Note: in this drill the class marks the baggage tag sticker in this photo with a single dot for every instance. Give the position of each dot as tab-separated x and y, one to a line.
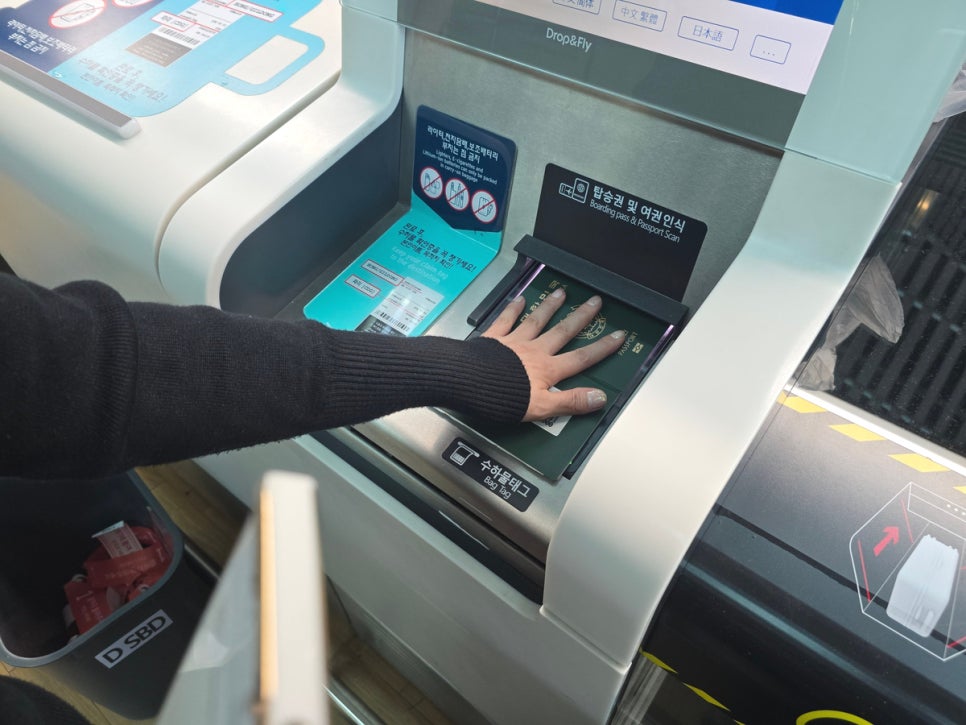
143	57
452	230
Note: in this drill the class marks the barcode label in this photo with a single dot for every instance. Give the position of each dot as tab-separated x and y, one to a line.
405	308
393	322
173	34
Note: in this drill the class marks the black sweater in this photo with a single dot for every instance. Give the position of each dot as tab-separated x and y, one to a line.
91	384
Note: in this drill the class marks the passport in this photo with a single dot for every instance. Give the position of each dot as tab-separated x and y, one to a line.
550	446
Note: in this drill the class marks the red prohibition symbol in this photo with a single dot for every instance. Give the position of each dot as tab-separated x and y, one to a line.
484	206
431	182
457	195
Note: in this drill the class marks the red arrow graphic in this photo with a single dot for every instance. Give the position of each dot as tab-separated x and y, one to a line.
891	537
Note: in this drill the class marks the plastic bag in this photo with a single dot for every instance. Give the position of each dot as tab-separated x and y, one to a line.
873	302
955	99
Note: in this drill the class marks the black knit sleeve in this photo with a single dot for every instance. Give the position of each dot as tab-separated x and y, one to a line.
92	384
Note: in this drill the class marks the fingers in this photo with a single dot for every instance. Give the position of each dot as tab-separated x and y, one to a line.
507	319
548	403
539	351
568	328
555	403
570	363
533	326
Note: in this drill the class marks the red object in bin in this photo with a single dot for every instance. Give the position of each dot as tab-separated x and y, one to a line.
146	581
89	606
120	573
109	582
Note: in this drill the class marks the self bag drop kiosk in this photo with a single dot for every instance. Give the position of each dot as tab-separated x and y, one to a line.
716	170
114	114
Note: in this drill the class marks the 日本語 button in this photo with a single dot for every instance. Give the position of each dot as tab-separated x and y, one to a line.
701	31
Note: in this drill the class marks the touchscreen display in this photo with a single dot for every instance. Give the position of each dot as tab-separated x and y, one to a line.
740	66
776	42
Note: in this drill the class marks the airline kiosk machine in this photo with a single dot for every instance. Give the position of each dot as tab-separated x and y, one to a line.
716	170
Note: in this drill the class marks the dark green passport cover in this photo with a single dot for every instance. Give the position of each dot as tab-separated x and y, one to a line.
550	448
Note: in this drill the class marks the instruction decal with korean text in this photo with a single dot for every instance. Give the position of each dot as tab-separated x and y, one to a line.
452	230
636	238
491	473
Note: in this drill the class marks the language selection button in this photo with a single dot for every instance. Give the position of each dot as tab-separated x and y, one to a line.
701	31
770	49
588	6
640	15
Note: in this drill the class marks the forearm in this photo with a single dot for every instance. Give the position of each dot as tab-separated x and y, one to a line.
91	384
267	380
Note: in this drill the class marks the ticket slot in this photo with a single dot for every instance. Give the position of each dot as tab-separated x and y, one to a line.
532	252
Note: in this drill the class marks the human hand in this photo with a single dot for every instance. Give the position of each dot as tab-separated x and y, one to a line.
537	350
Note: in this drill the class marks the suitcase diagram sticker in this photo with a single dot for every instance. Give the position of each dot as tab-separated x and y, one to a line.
908	563
143	57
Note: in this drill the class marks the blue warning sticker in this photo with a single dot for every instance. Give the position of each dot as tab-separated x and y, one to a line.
452	230
142	57
461	172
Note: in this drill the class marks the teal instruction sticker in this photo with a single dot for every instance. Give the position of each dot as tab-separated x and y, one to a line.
142	57
452	230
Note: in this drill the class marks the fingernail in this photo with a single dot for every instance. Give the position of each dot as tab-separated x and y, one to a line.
618	334
517	300
594	301
557	292
596	399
